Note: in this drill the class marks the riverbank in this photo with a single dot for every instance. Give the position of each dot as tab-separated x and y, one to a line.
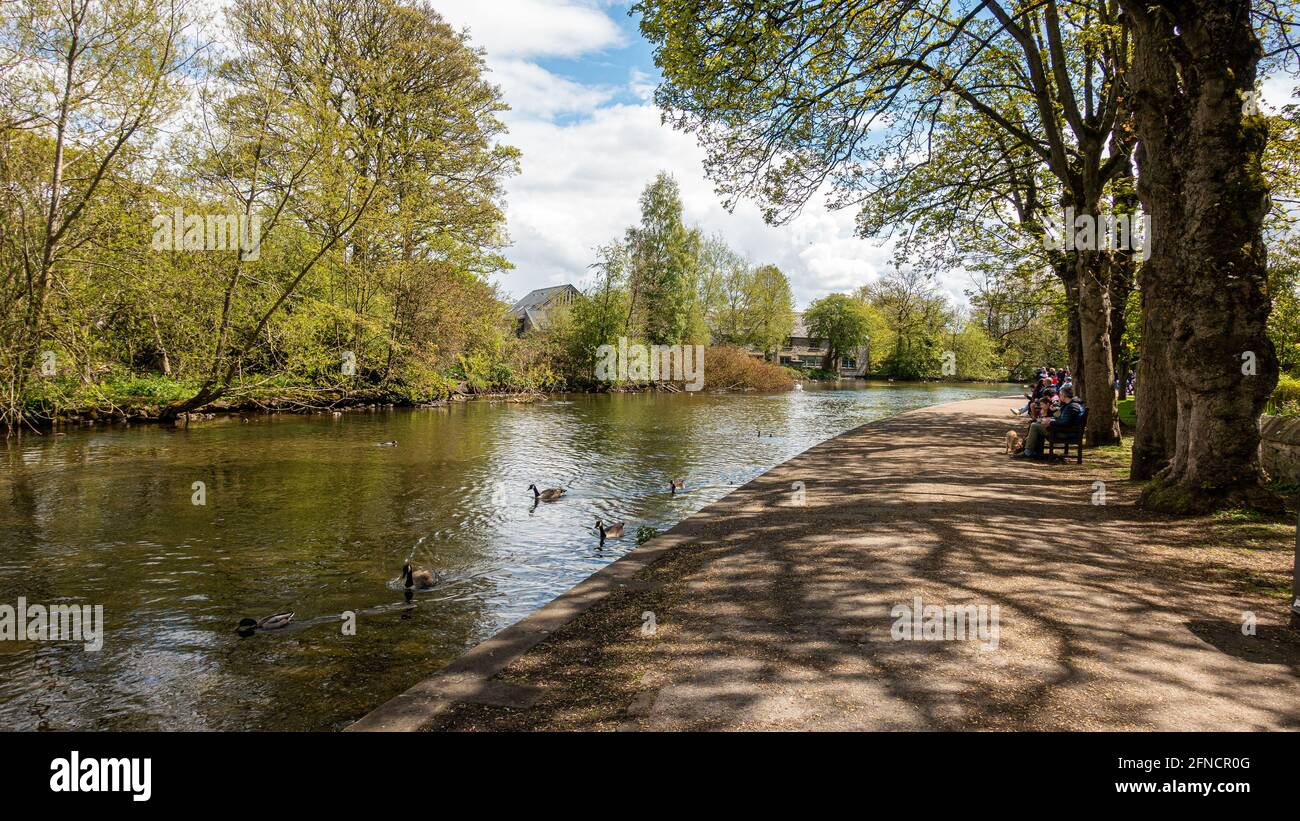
768	610
64	400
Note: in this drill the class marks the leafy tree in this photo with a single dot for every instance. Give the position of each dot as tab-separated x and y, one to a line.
917	316
841	322
769	309
663	254
85	86
872	98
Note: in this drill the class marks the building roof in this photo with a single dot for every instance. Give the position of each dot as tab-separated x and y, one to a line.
537	299
799	329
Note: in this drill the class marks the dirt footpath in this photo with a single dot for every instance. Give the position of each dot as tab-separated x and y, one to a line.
782	607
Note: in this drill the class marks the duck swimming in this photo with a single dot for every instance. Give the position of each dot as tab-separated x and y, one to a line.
676	485
274	622
391	443
614	531
548	495
419	579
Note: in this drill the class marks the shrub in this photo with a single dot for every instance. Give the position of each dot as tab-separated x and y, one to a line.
730	368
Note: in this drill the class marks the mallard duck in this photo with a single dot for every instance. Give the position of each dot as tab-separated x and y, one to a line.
614	531
548	495
419	579
274	622
391	443
676	485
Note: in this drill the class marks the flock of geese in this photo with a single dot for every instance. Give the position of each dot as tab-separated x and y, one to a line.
421	579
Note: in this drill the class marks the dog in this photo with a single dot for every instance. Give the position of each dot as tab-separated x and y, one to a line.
1014	443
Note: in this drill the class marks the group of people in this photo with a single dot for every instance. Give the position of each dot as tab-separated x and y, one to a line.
1052	404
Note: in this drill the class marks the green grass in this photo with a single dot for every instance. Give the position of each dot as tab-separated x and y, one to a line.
1128	413
1236	514
1118	457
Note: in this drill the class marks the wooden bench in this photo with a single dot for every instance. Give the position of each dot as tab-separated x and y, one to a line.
1065	437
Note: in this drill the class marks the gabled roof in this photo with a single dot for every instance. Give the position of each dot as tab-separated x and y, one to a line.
537	299
800	329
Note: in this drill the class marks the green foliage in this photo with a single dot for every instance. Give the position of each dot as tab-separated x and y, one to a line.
917	317
841	322
663	254
769	309
975	354
364	136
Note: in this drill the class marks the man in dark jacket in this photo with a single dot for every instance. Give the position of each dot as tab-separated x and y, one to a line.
1071	412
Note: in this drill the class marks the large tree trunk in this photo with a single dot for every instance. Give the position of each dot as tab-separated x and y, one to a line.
1156	402
1194	64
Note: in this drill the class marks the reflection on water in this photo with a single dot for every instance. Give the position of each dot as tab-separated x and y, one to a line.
306	514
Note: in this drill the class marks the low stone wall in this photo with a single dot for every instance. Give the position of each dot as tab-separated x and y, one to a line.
1279	448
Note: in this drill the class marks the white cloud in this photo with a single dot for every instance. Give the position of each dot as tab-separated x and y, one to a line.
533	28
579	189
533	91
589	150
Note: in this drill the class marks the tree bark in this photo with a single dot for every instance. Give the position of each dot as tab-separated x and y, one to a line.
1074	338
1098	391
1195	62
1156	401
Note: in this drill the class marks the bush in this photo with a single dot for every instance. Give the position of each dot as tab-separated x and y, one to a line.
1285	400
730	368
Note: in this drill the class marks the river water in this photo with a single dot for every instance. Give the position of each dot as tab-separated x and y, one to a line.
305	513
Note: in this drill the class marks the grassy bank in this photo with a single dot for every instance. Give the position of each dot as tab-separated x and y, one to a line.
142	397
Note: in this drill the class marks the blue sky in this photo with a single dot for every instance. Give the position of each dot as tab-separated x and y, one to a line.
578	77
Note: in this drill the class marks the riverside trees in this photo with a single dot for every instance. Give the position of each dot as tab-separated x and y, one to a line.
667	284
1046	102
362	134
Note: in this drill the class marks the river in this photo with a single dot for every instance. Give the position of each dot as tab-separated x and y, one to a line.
305	513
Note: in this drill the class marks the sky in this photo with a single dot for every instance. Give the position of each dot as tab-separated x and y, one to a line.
579	77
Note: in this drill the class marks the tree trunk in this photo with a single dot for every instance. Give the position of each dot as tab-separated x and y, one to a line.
1209	259
1098	392
1074	338
1156	401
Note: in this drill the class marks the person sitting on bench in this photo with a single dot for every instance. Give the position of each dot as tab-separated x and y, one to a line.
1071	411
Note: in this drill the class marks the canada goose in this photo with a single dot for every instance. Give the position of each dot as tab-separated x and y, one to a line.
676	485
274	622
419	579
548	495
391	443
614	531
